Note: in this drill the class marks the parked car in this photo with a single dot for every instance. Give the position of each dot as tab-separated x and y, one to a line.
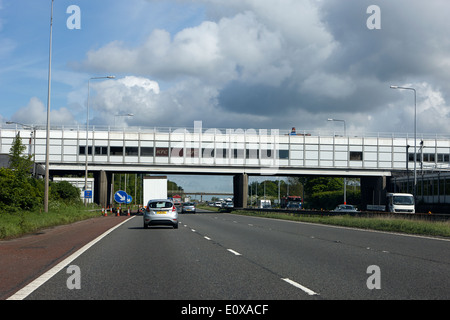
188	207
345	208
160	212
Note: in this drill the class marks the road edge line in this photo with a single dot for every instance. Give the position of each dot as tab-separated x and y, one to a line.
32	286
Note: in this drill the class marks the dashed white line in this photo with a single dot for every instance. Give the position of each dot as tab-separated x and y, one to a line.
207	238
303	288
234	252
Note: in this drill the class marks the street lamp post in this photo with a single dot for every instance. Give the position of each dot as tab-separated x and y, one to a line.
86	150
47	144
415	133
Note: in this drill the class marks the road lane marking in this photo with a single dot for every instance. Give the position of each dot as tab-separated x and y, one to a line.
27	290
303	288
234	252
207	238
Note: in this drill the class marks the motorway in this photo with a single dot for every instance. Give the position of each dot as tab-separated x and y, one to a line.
218	256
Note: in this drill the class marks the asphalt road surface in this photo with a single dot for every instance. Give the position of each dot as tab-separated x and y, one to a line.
217	256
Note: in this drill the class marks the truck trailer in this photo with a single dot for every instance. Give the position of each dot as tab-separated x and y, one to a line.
154	188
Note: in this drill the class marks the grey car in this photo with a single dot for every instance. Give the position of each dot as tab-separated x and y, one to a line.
160	212
188	207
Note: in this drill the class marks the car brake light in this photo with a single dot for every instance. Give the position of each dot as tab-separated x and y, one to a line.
174	209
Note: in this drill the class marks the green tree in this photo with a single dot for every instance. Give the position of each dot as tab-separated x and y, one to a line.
21	164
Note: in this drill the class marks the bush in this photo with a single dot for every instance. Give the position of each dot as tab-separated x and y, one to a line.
328	200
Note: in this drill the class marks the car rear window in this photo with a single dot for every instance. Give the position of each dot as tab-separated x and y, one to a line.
160	204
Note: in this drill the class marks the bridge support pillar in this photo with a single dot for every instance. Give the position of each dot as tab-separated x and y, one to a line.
240	186
102	182
373	191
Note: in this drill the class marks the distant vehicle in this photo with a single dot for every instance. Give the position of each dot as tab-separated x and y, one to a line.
265	204
290	199
345	208
160	212
400	203
227	204
218	204
294	206
188	207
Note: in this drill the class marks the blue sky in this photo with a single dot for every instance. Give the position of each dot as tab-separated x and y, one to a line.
239	64
257	64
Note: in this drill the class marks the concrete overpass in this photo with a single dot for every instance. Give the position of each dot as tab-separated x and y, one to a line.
237	152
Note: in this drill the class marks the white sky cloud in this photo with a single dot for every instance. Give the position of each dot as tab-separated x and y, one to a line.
233	63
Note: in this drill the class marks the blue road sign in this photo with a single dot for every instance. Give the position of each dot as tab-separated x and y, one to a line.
121	196
129	199
88	194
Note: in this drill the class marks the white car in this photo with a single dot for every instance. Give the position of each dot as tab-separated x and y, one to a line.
160	212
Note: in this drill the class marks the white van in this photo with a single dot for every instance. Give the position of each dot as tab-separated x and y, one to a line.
400	203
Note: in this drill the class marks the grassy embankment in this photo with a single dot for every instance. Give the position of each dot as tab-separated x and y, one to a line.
389	223
20	223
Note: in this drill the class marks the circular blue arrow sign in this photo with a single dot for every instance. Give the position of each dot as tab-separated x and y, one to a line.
121	197
129	199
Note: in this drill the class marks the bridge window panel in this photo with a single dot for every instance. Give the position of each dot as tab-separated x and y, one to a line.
283	154
208	153
147	152
238	154
82	150
103	151
267	154
442	187
356	156
131	151
447	186
116	151
176	152
192	153
161	152
252	154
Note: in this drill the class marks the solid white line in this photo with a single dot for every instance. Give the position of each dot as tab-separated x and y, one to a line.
27	290
297	285
234	252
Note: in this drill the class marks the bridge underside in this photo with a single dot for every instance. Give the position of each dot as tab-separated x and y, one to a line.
373	182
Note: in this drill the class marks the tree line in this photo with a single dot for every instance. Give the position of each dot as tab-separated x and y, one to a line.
317	192
20	190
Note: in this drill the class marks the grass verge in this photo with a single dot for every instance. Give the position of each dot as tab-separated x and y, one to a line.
388	223
14	225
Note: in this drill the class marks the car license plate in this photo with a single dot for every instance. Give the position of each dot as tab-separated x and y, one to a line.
160	212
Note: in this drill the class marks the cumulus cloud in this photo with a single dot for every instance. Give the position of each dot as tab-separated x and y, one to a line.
285	63
35	112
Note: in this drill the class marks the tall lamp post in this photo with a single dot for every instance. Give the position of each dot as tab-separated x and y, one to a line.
345	179
86	150
415	133
47	144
